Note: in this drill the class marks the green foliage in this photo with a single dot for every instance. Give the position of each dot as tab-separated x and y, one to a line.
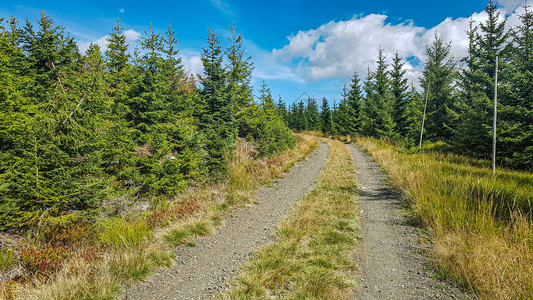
181	234
120	234
268	129
312	115
377	109
326	116
439	76
78	130
6	259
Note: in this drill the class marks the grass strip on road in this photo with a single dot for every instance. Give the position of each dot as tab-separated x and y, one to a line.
311	257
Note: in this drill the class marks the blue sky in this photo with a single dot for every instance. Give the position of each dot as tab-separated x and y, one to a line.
297	46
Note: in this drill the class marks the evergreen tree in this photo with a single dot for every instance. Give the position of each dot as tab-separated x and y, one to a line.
239	71
491	40
312	115
219	119
440	73
281	108
369	108
516	134
266	100
117	56
377	119
342	114
145	98
325	115
486	41
300	120
400	96
353	103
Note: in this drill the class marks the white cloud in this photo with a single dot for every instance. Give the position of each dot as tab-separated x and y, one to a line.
509	6
121	10
336	49
131	37
193	63
102	42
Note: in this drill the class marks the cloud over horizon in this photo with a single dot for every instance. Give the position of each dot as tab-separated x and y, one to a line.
337	48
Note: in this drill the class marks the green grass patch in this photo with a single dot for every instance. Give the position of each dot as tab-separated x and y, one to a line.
6	259
195	228
120	233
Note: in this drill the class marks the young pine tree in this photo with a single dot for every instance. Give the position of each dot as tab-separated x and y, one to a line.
440	74
312	115
353	103
400	96
219	118
325	115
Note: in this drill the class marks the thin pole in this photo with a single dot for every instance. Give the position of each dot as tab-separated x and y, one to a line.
495	118
424	117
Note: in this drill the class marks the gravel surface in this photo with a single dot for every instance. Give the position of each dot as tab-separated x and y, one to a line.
202	271
389	259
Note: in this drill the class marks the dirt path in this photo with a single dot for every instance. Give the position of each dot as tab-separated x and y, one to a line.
201	271
389	258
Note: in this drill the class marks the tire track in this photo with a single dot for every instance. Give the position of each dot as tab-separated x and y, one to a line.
389	259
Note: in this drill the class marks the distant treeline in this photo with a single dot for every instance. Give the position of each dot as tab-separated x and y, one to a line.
460	96
78	129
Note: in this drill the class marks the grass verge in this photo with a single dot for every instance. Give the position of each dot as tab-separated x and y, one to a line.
481	224
83	261
311	256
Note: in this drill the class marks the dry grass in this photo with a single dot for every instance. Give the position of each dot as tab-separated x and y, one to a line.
131	249
311	256
481	224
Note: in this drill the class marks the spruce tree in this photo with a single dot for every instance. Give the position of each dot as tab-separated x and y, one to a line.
353	103
400	96
219	119
516	136
377	113
117	55
369	107
491	41
281	108
440	73
239	71
265	99
325	115
312	115
342	114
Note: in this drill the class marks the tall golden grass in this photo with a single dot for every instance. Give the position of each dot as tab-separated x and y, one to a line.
481	224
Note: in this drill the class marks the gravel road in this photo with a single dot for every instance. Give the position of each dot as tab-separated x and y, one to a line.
200	272
389	259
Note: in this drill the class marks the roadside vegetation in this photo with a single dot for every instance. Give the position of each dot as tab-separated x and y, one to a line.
107	157
310	259
481	225
94	261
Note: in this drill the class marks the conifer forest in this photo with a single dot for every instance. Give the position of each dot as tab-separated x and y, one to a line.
119	160
459	90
